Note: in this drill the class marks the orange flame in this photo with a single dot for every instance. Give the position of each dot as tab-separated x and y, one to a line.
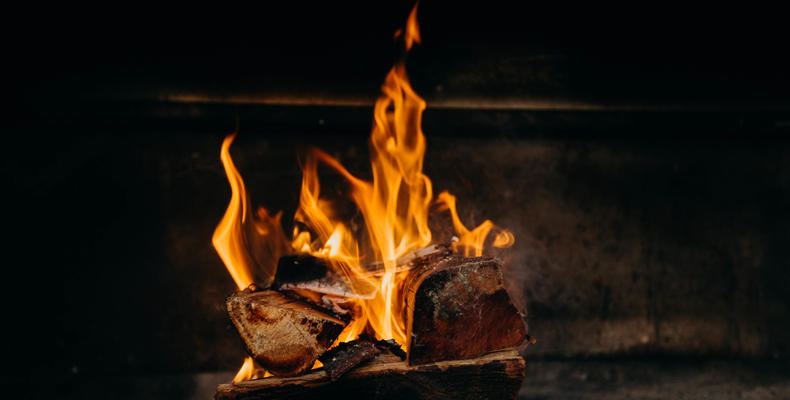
394	205
472	242
246	372
412	29
244	240
228	238
249	370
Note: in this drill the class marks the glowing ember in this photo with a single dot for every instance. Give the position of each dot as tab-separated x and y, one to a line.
395	207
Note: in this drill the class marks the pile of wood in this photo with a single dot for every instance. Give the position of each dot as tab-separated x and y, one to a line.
461	326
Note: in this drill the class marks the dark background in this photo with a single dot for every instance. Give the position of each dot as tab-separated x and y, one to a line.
639	155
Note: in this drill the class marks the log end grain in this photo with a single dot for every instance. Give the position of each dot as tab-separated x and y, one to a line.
284	335
458	308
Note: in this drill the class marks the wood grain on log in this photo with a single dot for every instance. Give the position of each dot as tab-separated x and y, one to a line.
458	308
496	375
284	335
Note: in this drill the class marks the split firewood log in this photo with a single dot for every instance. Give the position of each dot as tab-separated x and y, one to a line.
307	272
458	308
283	334
411	259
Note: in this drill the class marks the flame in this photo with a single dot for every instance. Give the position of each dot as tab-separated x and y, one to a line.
249	370
246	371
244	240
228	238
394	205
471	242
412	29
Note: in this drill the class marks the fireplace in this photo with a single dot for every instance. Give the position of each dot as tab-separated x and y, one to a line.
642	173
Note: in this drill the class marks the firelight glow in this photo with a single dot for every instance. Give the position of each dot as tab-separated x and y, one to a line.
394	205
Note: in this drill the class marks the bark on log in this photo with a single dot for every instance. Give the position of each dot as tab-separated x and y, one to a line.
458	308
284	335
496	375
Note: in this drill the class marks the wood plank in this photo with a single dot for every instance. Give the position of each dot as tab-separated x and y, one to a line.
496	375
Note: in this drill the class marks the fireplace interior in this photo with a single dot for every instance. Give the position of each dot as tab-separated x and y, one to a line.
642	167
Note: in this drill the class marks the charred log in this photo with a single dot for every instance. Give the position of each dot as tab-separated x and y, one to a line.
346	356
496	375
283	334
330	284
307	272
389	345
458	308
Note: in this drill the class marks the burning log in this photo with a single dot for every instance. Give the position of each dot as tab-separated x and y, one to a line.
348	355
496	375
284	335
330	284
458	308
307	272
303	267
412	259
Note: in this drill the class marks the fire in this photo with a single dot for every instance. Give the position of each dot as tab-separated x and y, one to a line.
247	242
228	238
471	242
249	370
395	207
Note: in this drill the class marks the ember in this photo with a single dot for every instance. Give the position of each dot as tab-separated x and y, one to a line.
333	284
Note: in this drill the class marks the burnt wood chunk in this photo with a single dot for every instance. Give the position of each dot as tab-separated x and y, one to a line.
284	335
390	345
458	308
496	375
346	356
